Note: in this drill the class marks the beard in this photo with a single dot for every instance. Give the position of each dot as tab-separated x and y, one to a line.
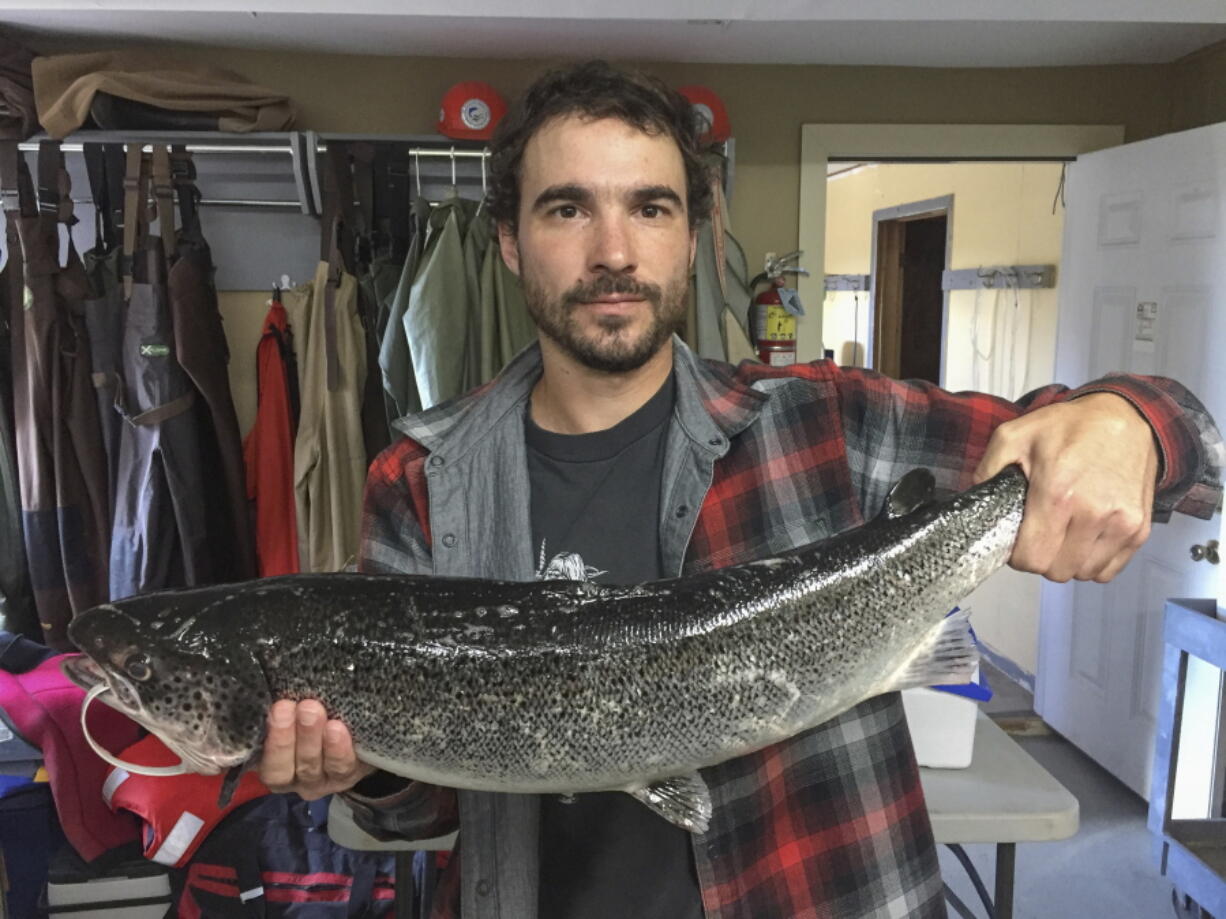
612	347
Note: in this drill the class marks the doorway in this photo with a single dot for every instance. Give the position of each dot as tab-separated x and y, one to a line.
909	305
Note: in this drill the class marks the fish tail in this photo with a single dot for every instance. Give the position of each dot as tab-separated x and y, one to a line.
947	654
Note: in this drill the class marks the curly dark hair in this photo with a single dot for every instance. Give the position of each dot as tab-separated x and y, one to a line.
595	90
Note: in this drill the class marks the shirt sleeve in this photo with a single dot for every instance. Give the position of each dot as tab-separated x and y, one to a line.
396	540
892	426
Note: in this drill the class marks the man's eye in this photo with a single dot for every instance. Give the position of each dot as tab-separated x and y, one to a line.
567	211
652	211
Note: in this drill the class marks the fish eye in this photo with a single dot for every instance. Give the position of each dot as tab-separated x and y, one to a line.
138	668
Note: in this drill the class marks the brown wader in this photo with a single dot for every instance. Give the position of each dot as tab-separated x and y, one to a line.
200	346
62	468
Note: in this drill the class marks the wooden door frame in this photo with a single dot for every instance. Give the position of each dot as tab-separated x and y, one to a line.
821	143
898	215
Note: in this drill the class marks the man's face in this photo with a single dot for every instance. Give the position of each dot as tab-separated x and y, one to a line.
604	246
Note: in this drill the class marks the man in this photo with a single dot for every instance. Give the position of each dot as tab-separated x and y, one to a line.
612	451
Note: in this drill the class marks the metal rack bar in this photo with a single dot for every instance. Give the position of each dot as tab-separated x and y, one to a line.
1021	277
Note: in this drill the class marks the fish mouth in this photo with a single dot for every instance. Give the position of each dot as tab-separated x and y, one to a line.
85	672
82	670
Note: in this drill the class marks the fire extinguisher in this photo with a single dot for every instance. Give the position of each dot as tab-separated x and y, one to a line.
773	313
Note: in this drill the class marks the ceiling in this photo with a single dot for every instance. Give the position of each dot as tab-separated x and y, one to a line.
919	33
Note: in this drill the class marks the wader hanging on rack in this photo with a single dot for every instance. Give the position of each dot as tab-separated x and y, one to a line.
62	467
17	612
200	347
395	363
104	306
376	277
329	453
159	536
436	321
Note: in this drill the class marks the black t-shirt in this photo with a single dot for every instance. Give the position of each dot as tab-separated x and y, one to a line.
595	516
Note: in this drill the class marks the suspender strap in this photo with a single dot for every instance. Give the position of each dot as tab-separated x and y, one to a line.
136	219
54	185
338	206
338	189
381	228
95	168
114	157
10	187
183	177
364	186
166	410
165	194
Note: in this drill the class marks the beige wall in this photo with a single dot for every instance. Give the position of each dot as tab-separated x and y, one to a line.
1198	91
1002	215
767	104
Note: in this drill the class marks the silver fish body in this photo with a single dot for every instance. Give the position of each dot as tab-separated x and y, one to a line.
563	686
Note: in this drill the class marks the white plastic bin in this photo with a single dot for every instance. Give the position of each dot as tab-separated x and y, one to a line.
942	724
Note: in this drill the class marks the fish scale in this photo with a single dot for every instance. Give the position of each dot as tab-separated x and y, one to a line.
568	686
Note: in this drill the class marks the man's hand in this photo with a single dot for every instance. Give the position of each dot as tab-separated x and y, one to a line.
308	754
1092	464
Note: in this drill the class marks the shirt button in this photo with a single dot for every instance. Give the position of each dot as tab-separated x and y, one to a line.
715	441
436	461
484	887
682	510
450	540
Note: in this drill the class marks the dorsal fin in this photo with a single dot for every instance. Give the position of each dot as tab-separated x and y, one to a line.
912	491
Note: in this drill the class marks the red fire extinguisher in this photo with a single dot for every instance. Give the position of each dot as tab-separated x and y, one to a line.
773	313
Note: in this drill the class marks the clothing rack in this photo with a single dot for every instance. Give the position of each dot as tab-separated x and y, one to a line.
296	146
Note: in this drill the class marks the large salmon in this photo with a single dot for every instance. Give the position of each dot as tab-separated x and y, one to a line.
564	686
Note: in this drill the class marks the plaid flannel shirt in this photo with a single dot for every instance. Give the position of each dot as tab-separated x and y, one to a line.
832	822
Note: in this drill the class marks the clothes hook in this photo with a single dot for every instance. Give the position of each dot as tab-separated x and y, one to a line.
453	167
417	171
484	189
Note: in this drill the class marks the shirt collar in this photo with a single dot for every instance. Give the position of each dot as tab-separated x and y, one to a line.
712	405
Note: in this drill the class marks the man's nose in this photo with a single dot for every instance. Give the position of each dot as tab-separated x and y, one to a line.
612	246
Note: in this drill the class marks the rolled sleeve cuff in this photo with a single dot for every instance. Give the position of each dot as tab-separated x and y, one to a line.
416	811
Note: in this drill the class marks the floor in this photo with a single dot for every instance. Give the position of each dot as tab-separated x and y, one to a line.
1106	871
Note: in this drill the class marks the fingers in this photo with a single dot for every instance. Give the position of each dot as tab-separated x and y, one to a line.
277	764
1067	536
306	753
340	762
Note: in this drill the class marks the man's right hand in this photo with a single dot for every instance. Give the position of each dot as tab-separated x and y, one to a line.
307	754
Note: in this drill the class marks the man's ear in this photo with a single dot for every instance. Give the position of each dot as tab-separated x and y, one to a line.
508	244
693	246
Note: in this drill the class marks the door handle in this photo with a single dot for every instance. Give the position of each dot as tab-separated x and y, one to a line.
1208	552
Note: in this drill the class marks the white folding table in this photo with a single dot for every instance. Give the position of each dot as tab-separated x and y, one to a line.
1004	797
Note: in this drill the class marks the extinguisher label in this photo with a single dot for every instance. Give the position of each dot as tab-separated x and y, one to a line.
782	358
775	324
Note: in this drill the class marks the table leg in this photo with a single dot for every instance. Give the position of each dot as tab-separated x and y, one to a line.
404	885
1006	854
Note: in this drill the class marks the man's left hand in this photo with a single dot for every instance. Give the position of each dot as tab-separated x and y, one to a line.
1092	464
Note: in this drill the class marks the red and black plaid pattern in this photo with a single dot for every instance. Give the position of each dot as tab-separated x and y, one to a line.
830	823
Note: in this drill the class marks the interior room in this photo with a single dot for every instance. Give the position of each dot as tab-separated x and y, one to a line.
848	366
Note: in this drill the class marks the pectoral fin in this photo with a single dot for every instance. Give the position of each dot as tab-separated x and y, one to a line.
682	799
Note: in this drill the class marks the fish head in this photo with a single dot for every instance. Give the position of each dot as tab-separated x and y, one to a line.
203	693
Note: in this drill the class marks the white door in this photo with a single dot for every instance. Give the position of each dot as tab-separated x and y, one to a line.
1142	288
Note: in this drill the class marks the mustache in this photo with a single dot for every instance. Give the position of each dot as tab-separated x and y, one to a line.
607	285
